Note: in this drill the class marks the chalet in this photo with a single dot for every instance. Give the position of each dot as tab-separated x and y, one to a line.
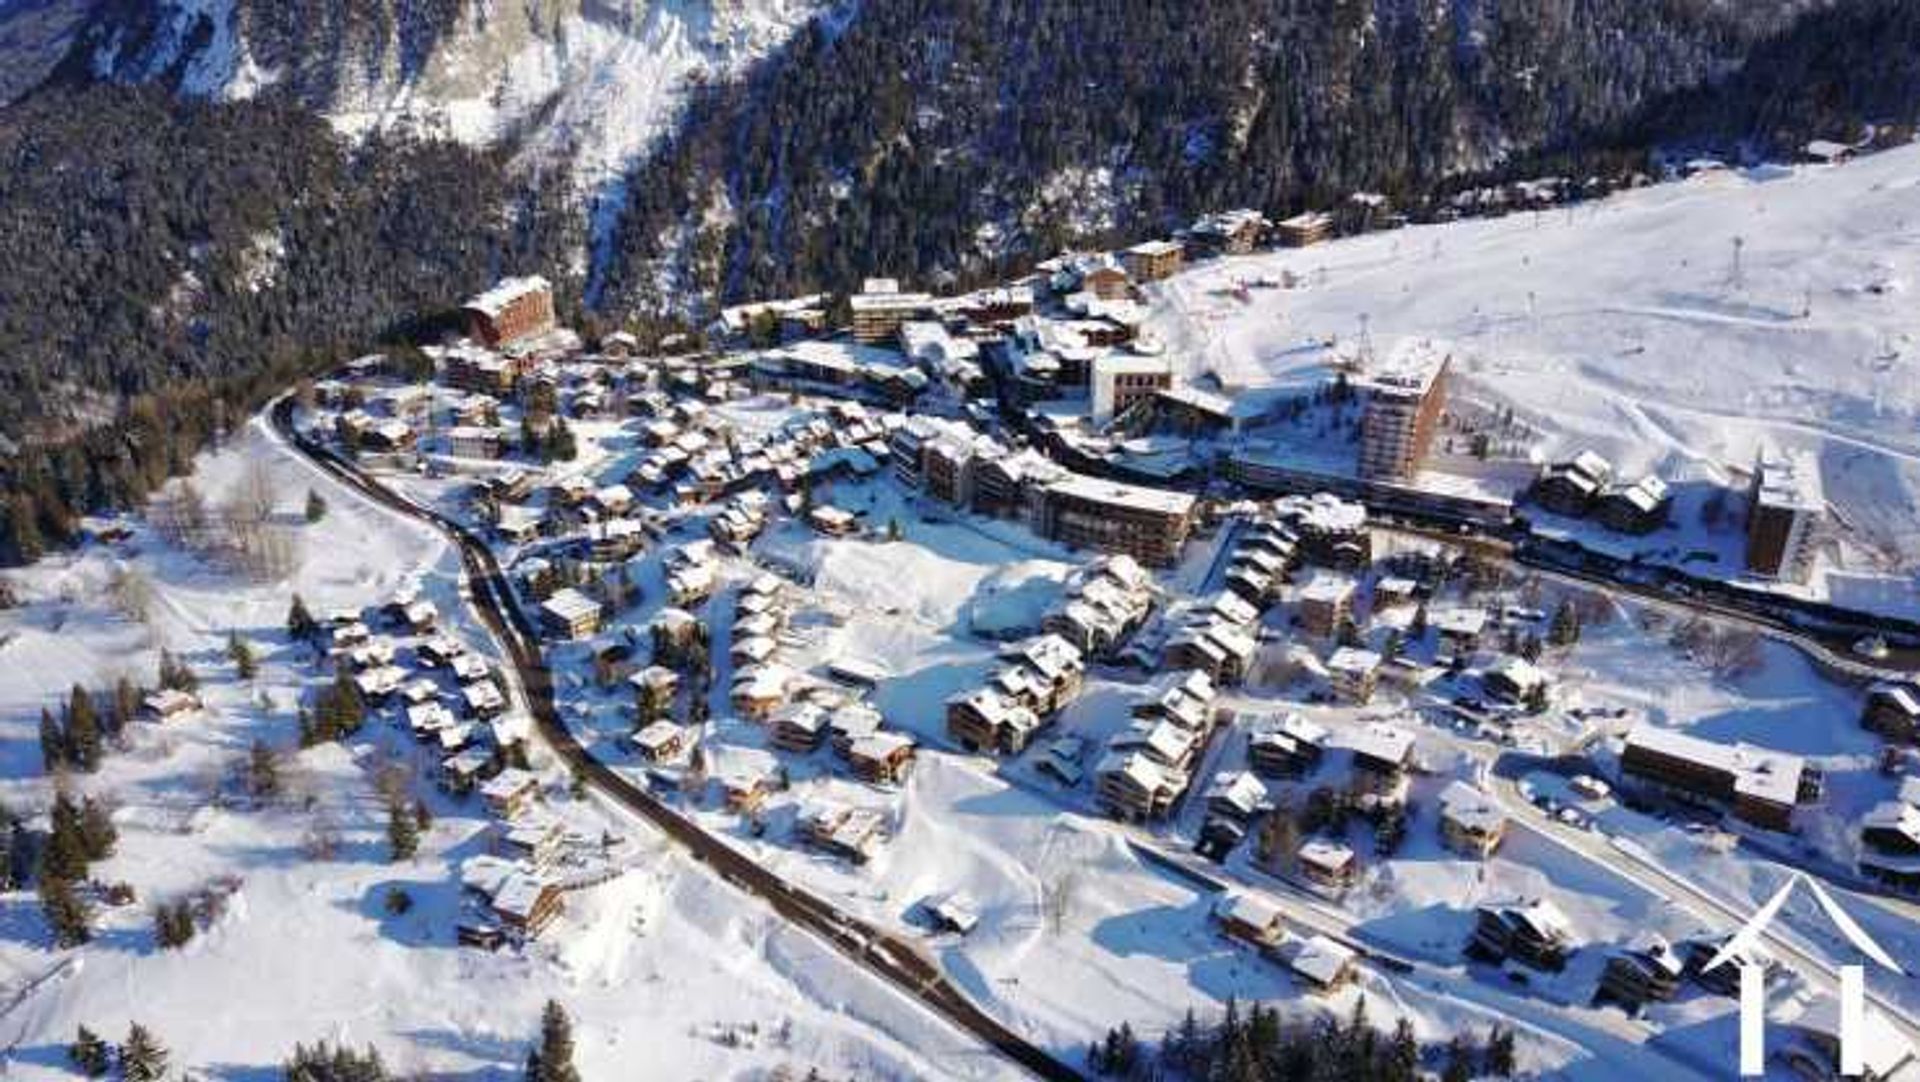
570	614
986	720
1533	931
378	683
1574	486
1759	786
482	699
1150	261
1382	754
1285	746
469	668
851	833
1132	786
1223	651
534	844
752	650
169	704
1326	864
420	689
881	758
526	904
1514	679
799	727
1459	630
420	617
1323	964
1471	822
1160	740
1890	844
833	521
1646	970
1893	711
1232	232
1326	603
1249	918
1638	508
954	912
1353	673
425	720
510	793
691	584
661	741
760	690
654	688
1185	699
473	441
1330	531
1303	230
851	723
1237	795
459	774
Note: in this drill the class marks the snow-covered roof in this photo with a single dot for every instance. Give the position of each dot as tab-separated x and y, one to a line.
1119	494
1379	741
1790	481
1757	772
1353	661
1246	907
569	605
1470	808
1322	960
505	292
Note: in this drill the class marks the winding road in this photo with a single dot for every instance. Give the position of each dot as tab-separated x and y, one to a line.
894	959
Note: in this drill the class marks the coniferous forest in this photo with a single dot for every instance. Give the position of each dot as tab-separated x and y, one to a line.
173	261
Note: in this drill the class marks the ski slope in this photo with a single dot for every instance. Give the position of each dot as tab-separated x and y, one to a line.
1676	328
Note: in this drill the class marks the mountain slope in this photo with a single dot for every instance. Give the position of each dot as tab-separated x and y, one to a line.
934	137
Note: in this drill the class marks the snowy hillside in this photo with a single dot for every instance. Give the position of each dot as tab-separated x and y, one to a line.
588	81
1676	329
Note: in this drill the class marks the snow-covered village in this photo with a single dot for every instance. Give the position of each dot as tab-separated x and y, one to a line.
1476	648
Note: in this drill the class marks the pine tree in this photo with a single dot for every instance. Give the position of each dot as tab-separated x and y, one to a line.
1418	628
175	674
89	1054
66	854
1459	1061
126	704
552	1059
173	925
300	622
98	835
83	731
1403	1052
316	506
309	729
1500	1054
66	912
142	1057
242	656
403	832
53	742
